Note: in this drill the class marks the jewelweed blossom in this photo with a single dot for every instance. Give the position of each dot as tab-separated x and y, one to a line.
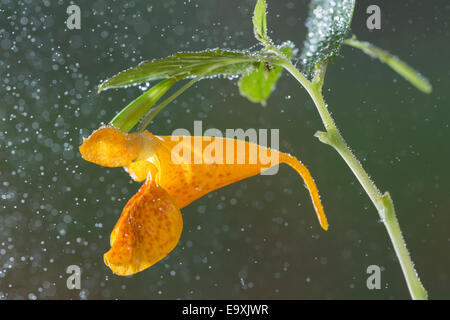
151	223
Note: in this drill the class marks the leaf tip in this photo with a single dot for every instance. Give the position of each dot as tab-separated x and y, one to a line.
426	86
102	86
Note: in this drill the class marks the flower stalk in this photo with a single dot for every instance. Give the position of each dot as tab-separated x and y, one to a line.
382	202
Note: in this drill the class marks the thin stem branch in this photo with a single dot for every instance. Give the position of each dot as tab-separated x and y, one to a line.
383	203
145	121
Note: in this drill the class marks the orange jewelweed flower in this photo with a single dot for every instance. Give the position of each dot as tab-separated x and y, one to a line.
151	223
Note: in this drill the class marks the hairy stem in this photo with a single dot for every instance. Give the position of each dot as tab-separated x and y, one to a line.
383	203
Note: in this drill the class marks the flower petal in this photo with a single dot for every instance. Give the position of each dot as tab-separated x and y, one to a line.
140	169
186	182
109	147
147	231
189	178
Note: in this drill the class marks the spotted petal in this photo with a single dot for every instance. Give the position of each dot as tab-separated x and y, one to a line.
147	231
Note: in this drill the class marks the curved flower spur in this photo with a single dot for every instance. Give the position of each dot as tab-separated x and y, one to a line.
151	223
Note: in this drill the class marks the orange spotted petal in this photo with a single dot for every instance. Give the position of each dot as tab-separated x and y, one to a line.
147	231
140	169
109	147
186	182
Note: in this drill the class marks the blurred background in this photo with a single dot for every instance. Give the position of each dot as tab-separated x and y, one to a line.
258	238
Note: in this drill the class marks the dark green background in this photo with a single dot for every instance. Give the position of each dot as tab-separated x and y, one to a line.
258	238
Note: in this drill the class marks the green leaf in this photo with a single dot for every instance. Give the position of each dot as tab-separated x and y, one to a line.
260	21
407	72
185	65
260	83
327	24
126	119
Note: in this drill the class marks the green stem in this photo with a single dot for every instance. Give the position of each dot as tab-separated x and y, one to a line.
145	121
383	203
